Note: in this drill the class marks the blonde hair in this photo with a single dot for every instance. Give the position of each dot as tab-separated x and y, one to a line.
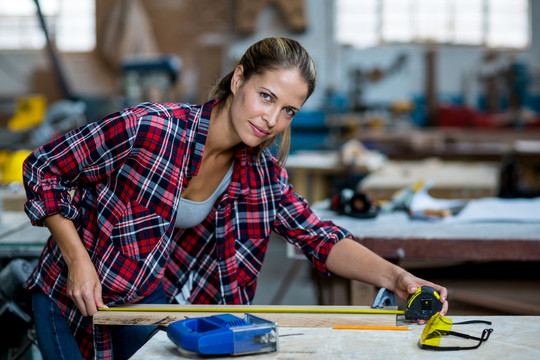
269	54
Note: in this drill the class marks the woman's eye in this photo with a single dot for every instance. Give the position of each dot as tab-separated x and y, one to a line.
266	96
290	112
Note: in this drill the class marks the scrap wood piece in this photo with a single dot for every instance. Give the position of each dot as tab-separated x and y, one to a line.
160	314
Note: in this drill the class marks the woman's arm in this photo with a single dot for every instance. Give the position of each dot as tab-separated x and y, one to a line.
354	261
299	225
83	285
86	155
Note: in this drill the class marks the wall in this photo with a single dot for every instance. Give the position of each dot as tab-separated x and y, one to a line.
196	31
317	39
190	29
456	68
201	33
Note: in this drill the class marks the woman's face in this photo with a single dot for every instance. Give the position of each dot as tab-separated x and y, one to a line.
264	105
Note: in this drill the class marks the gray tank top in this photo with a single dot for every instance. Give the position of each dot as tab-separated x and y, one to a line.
191	213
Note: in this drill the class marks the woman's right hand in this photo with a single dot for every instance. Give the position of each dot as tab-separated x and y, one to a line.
83	285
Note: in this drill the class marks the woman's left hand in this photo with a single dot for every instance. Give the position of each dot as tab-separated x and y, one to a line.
352	260
407	284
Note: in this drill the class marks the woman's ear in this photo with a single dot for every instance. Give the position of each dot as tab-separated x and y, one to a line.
237	78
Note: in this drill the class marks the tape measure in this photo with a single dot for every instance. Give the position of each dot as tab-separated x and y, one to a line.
423	304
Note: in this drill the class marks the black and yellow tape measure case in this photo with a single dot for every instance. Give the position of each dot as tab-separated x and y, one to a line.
423	304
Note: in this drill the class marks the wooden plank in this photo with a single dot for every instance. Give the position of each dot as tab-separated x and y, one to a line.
159	314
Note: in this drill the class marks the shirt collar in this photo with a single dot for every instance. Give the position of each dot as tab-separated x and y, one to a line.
240	179
203	113
240	184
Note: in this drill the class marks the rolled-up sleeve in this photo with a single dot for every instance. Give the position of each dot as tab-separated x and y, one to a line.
86	154
51	198
297	223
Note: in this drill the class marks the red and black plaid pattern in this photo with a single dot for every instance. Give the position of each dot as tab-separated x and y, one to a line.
128	171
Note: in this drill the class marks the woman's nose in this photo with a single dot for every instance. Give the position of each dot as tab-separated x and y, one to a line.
271	116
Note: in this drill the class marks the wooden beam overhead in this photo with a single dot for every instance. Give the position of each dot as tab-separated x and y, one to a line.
247	13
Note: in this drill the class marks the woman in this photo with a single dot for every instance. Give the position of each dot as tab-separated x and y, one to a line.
176	203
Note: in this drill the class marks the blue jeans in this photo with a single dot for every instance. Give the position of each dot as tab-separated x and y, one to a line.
56	340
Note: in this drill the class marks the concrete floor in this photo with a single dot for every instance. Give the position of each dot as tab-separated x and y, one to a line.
274	270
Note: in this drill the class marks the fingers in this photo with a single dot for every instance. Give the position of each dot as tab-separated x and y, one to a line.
87	299
84	287
99	298
79	302
412	284
444	309
443	292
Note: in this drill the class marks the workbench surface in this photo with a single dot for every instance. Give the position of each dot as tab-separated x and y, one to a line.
18	238
396	236
513	337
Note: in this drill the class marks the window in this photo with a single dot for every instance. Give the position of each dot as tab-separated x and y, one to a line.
70	23
489	23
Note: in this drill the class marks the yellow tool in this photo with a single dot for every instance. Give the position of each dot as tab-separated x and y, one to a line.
257	310
30	112
12	167
424	303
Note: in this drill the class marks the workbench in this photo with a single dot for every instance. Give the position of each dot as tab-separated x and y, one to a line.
461	144
395	236
450	179
311	172
432	244
513	337
315	174
18	238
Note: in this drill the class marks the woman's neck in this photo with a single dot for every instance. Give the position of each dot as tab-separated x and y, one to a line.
221	139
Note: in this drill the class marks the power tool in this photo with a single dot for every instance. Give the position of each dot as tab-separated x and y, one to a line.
225	334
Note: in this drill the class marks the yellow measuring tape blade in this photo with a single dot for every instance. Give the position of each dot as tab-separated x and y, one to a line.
255	310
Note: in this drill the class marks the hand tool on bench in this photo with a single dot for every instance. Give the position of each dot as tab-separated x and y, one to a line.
225	334
420	305
423	304
228	334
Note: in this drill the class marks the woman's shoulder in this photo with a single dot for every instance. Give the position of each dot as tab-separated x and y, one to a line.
179	116
264	163
165	109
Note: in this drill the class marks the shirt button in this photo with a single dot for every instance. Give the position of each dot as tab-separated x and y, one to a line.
220	258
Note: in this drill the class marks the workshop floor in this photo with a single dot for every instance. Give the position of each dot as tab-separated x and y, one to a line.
275	269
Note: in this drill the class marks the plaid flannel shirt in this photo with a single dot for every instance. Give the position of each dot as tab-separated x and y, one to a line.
127	172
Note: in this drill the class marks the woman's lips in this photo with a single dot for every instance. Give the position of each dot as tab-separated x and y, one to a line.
258	131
